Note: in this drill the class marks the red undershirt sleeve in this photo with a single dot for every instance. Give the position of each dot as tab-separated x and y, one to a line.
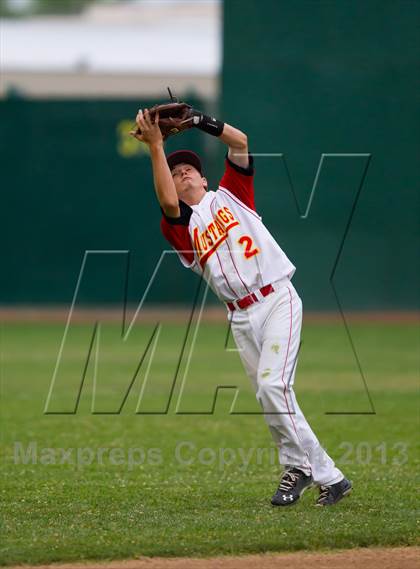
240	181
176	232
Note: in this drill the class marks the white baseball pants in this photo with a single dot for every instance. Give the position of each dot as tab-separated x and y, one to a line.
267	335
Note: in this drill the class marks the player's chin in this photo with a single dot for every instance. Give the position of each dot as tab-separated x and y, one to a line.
187	185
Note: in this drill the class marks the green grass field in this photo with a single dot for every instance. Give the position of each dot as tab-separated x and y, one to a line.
161	493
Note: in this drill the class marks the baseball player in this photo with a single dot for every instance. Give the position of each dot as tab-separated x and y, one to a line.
219	235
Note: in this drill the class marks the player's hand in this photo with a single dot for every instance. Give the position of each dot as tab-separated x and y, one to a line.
150	131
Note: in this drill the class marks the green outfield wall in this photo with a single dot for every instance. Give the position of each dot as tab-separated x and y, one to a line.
307	78
73	180
303	79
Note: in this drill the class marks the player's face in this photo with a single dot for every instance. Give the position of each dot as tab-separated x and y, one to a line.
187	179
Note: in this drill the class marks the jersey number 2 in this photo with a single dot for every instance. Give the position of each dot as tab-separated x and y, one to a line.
250	249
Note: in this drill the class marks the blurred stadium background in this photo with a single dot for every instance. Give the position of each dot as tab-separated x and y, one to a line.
341	80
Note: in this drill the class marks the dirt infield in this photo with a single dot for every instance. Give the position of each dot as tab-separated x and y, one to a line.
176	314
369	558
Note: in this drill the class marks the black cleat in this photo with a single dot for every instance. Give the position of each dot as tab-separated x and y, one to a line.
330	495
292	485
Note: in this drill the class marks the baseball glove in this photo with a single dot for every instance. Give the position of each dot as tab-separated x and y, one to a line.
174	117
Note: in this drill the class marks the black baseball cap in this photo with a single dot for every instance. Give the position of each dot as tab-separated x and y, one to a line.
186	156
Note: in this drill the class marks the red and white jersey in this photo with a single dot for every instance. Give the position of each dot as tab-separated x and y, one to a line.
224	239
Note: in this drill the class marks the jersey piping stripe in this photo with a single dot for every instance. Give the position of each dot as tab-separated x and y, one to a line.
238	201
227	282
236	269
231	256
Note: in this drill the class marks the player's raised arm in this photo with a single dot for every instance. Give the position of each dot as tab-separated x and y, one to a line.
238	145
164	184
236	140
